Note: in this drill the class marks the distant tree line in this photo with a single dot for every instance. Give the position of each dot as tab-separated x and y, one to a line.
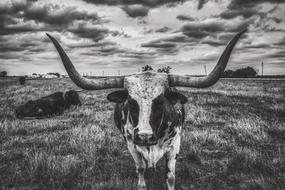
3	73
247	72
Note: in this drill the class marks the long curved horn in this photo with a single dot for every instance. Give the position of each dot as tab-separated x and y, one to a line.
87	84
214	76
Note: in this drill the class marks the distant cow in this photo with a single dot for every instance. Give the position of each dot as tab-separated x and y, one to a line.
47	106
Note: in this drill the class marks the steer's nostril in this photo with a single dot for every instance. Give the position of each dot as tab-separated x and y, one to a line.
152	138
136	137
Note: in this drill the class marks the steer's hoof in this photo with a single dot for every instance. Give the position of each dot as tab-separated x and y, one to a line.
142	187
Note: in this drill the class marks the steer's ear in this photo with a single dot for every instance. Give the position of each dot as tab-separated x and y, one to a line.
175	97
118	96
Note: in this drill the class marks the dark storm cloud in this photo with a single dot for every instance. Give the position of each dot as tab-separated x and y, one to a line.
103	51
247	9
239	26
201	30
109	48
268	28
201	3
275	19
162	47
136	10
56	15
257	46
12	44
277	55
25	16
213	42
9	16
92	45
212	26
13	29
91	32
171	44
28	44
138	55
226	36
8	55
236	4
244	12
158	44
150	3
185	18
281	43
180	39
163	29
8	48
195	33
222	38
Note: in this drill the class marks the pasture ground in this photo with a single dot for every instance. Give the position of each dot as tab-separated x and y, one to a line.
233	139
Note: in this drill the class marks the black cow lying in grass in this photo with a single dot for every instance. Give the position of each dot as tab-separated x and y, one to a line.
48	106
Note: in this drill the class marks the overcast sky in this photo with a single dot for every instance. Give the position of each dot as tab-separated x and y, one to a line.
112	35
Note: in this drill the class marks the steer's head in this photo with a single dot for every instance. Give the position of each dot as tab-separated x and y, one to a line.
150	105
147	94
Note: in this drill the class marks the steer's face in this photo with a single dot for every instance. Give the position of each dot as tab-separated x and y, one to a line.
149	105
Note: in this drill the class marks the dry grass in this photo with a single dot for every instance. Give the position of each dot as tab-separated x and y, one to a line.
233	138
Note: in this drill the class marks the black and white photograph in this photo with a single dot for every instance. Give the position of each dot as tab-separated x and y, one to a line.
142	94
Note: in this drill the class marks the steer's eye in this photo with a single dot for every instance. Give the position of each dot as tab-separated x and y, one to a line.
156	112
134	112
157	102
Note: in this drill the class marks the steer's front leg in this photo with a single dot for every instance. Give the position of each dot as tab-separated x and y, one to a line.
140	166
170	169
170	163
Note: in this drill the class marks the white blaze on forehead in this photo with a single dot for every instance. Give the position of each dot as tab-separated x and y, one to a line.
143	88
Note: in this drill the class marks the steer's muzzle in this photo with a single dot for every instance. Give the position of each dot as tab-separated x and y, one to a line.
145	139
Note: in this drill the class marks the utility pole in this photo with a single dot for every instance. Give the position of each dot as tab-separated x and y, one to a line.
102	73
119	73
262	68
205	67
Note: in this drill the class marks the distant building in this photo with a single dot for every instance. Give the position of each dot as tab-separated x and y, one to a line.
49	76
46	76
35	75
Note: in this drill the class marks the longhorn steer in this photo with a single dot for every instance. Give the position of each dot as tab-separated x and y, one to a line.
148	112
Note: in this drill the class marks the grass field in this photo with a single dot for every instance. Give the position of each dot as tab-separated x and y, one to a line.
233	139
